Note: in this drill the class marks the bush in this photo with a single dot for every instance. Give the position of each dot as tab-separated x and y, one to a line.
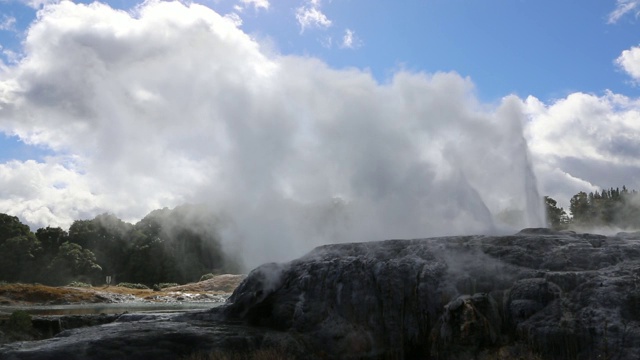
79	284
207	277
20	322
158	287
166	285
133	286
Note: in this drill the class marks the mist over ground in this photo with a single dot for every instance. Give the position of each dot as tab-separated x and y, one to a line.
174	103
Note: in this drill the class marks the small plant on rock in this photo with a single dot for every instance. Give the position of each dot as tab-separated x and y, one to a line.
20	322
207	277
133	286
158	287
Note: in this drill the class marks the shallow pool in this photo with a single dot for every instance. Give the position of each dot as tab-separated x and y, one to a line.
87	309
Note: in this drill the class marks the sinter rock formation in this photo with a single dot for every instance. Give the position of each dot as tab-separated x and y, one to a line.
536	294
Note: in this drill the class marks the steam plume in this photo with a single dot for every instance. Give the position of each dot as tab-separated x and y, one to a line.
175	104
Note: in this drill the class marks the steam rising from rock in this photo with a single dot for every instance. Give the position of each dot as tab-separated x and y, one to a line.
176	104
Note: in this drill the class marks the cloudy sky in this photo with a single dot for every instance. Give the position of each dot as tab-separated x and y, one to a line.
359	119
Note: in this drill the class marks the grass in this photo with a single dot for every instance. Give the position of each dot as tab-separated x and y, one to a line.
15	294
33	293
220	283
25	294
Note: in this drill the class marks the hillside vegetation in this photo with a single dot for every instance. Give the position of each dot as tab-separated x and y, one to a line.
167	246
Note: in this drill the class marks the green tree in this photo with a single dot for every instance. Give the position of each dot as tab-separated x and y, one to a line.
556	217
613	207
51	238
628	209
580	208
109	239
19	255
72	262
185	240
19	248
10	226
150	263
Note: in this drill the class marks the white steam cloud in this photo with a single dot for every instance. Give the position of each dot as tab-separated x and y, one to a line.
175	104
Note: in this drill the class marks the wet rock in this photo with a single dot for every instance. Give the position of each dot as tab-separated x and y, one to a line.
47	326
154	336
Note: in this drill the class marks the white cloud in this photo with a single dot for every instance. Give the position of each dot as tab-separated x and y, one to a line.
235	19
11	56
629	61
310	15
624	7
46	193
350	40
176	104
37	4
256	4
584	142
8	23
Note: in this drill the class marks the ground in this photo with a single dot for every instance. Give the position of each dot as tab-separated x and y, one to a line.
23	296
35	294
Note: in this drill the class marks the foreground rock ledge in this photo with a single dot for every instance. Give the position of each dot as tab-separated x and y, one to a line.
556	295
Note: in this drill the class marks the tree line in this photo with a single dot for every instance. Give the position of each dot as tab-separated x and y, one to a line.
167	246
616	208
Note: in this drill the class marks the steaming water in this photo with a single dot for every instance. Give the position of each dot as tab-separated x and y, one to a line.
467	174
292	152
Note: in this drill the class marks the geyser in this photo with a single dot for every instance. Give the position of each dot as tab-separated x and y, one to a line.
294	152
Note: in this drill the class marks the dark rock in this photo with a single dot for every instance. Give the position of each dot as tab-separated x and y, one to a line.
555	293
47	326
539	293
468	325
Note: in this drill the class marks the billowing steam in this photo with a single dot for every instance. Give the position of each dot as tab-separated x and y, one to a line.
176	104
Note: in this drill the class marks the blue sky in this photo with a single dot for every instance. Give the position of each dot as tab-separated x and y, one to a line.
127	111
542	48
